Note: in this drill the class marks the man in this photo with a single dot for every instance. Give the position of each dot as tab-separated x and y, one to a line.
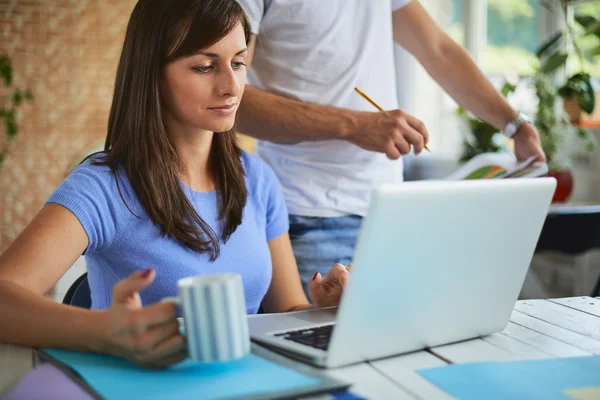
324	142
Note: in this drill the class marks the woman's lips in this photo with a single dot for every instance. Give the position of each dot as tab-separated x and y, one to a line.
224	110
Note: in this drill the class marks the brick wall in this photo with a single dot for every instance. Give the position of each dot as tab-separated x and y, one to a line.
66	52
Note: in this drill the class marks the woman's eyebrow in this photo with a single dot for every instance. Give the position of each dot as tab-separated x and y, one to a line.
215	55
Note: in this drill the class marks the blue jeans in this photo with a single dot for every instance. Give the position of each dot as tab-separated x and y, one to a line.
319	243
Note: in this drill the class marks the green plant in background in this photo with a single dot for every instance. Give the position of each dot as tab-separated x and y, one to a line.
15	99
552	123
551	120
583	36
482	137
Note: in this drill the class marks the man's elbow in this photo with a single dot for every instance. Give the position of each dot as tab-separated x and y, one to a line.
442	56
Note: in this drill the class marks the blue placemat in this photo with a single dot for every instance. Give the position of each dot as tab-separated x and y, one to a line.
252	376
548	379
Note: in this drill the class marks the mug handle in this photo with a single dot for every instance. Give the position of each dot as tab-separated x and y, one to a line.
177	302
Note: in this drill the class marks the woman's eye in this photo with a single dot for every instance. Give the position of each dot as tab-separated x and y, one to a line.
204	69
238	65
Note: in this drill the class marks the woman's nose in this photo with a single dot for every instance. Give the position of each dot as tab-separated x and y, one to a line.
229	84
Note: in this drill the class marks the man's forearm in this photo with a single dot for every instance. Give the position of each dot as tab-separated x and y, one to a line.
275	118
460	77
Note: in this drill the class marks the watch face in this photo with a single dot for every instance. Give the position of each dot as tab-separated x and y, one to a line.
513	126
510	131
524	117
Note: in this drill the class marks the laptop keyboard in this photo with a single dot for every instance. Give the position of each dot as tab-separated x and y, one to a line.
315	337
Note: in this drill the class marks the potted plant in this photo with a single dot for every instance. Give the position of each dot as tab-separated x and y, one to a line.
578	92
14	99
583	36
552	121
578	95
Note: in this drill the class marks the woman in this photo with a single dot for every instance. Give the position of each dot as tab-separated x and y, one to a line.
172	191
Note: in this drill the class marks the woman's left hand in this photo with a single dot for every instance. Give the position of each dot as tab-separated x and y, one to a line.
326	292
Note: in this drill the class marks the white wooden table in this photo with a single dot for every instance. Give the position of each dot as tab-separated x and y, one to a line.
566	327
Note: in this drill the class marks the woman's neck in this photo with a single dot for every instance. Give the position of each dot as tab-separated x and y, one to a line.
194	148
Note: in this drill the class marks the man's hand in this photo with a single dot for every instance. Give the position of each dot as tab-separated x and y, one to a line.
527	143
392	132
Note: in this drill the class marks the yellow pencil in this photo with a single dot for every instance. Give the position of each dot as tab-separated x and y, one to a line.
363	94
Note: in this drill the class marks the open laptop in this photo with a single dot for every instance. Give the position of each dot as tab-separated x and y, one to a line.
436	262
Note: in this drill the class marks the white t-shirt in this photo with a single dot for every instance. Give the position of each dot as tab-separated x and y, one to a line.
318	51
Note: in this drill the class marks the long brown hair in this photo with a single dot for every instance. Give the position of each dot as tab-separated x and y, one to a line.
158	32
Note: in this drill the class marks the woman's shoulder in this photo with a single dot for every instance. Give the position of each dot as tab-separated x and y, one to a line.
94	166
95	177
99	195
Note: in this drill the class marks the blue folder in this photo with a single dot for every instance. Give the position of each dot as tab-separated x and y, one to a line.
547	379
251	377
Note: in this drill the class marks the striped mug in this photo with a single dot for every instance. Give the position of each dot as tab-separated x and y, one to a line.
214	317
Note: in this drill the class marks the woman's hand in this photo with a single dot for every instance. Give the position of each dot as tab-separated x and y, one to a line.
147	336
326	292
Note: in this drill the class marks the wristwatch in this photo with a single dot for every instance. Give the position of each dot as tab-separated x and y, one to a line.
513	126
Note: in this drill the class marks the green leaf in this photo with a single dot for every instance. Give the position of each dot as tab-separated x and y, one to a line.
2	156
585	20
584	136
550	42
587	97
592	29
566	91
17	97
11	130
29	95
508	88
554	62
11	126
586	102
6	70
577	78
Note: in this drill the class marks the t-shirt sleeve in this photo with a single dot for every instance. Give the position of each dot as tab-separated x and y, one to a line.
89	193
278	221
398	4
255	10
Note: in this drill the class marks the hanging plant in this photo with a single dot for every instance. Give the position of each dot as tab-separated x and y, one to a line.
8	113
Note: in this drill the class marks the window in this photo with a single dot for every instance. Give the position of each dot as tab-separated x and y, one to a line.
511	33
512	37
456	28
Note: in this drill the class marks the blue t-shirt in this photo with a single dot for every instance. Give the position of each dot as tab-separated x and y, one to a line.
121	243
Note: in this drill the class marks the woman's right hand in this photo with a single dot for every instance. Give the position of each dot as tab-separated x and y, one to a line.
147	336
